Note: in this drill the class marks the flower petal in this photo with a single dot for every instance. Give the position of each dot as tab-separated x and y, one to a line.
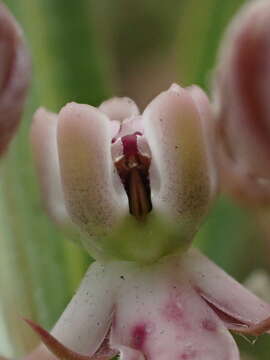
179	170
168	319
14	75
86	320
85	323
119	108
95	197
45	152
225	293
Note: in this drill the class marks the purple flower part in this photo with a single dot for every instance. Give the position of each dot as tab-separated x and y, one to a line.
151	175
15	73
178	308
241	102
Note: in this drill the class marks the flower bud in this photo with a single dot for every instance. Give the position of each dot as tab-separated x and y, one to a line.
242	107
14	76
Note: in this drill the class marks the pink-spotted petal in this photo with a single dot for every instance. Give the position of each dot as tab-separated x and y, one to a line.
45	153
179	170
95	197
160	315
14	75
119	108
238	305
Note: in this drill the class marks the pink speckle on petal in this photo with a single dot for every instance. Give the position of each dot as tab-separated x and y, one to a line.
139	334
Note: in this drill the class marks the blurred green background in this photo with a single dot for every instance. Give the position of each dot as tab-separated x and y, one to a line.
86	51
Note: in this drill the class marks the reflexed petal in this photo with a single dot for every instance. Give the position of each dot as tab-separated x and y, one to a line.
85	322
119	108
168	319
95	197
179	170
45	152
225	293
14	75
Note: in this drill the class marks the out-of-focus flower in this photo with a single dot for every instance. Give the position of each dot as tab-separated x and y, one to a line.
14	76
138	187
241	91
181	307
116	172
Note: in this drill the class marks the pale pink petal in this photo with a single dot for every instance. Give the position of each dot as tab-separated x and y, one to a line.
119	108
45	153
82	330
14	75
160	315
95	197
223	292
86	320
179	171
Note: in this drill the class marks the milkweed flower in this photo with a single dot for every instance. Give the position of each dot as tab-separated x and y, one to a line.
138	187
113	171
241	102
